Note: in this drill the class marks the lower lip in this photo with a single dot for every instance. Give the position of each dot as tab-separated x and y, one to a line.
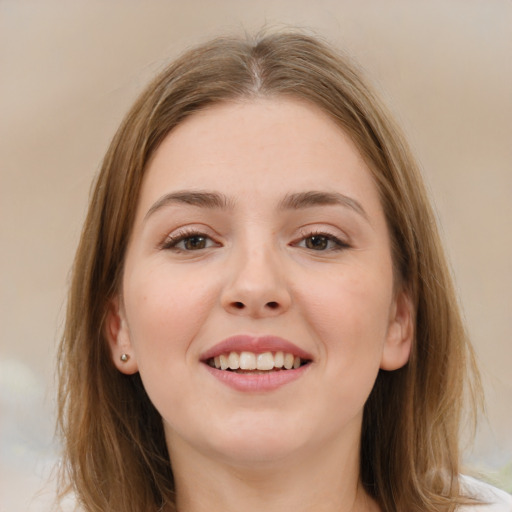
258	382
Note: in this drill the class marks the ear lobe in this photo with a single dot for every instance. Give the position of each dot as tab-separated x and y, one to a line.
398	344
118	337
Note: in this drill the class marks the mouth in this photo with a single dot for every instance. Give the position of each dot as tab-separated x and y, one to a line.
256	364
245	362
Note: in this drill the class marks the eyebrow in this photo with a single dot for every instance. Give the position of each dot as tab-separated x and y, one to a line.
296	201
210	200
314	198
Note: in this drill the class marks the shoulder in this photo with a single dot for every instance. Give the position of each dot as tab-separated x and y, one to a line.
495	500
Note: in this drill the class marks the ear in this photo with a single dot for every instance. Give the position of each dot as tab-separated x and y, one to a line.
118	337
397	347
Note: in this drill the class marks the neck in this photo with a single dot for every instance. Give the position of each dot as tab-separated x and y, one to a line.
320	482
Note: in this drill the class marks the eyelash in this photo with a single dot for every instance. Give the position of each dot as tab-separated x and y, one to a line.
340	245
172	241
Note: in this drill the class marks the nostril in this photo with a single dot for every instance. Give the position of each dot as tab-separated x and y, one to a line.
238	305
272	305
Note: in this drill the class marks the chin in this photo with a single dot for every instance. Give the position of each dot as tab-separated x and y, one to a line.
248	439
260	452
256	441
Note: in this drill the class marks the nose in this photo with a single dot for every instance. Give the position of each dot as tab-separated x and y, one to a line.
256	286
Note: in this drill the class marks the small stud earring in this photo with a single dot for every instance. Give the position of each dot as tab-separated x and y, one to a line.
124	357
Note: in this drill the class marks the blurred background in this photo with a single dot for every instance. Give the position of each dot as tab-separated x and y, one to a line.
70	70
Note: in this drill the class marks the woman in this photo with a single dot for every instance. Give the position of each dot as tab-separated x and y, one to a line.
261	316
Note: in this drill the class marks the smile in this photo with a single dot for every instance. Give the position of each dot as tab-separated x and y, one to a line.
256	363
241	362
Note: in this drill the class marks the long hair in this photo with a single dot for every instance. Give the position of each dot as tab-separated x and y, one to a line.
115	455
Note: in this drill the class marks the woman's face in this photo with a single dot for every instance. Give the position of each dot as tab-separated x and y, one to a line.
259	240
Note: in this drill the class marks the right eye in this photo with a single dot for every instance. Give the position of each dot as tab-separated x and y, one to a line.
188	242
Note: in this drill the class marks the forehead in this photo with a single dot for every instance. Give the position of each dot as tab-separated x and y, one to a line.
258	148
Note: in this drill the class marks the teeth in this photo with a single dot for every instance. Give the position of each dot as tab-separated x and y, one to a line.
234	361
265	361
258	362
224	364
288	361
247	361
279	360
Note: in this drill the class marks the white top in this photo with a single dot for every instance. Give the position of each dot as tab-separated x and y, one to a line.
496	499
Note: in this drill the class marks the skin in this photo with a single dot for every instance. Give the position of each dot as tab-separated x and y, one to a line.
258	272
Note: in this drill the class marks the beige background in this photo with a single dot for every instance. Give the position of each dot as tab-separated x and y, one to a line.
68	73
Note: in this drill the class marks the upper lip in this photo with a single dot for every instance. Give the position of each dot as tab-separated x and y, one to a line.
255	344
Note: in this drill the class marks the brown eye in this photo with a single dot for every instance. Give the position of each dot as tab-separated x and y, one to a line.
193	243
322	242
188	242
317	242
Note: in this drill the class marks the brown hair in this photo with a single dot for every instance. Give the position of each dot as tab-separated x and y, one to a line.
115	452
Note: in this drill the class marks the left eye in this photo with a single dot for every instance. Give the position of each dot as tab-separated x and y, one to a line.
321	242
192	242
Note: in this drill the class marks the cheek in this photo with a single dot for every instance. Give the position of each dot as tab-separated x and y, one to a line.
350	317
357	305
164	310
